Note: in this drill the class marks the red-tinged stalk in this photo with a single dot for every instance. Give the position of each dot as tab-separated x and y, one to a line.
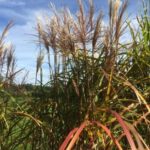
108	133
68	138
76	136
125	129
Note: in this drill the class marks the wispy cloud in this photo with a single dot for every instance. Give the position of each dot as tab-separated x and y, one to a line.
7	14
12	3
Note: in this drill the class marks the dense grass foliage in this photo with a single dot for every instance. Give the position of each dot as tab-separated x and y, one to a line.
98	92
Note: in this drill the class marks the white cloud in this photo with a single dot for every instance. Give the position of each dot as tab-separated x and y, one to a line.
12	14
12	3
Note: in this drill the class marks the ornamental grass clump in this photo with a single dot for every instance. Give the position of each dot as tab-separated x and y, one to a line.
94	73
7	59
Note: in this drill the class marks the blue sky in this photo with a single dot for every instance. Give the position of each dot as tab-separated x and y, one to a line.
24	14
